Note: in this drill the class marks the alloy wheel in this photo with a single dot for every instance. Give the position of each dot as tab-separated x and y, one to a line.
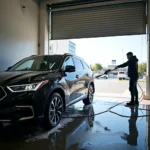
91	93
55	110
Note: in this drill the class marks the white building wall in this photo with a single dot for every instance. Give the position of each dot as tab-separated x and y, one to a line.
18	30
59	47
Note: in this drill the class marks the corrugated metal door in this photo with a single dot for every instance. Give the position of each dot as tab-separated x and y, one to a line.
99	20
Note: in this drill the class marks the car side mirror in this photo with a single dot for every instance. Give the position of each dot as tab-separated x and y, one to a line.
70	68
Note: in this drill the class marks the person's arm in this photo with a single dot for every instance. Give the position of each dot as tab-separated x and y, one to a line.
123	65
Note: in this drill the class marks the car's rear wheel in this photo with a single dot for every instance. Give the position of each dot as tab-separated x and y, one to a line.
90	95
54	110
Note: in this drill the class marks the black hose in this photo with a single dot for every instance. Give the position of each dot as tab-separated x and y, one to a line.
109	110
128	116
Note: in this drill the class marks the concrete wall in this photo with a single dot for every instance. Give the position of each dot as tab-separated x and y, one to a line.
18	30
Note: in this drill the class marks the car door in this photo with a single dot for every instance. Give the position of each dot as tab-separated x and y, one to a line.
80	81
70	79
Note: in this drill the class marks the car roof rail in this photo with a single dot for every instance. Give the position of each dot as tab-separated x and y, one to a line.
68	54
73	55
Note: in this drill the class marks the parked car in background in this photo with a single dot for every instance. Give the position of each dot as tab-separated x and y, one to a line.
122	75
43	86
140	75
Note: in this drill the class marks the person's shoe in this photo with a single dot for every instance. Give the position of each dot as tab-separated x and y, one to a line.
136	102
130	103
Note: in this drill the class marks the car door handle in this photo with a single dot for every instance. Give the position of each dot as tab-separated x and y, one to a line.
77	76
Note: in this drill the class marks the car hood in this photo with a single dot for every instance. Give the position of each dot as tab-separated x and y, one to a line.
23	77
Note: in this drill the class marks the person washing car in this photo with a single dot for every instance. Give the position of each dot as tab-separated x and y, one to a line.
132	64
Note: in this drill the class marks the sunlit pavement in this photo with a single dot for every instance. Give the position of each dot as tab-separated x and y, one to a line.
115	88
117	128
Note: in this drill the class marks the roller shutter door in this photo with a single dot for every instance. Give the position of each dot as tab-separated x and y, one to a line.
98	20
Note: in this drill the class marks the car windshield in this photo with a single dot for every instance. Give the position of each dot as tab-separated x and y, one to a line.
38	63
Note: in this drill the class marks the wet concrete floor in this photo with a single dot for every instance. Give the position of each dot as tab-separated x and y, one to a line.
121	128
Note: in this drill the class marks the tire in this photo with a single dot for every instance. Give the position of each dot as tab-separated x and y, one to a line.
89	99
105	77
90	112
54	110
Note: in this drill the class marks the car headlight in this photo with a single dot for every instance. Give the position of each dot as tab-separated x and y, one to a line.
27	87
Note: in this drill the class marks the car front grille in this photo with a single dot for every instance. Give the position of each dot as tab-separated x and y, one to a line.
2	93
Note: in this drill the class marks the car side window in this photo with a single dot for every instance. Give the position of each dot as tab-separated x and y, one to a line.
85	65
78	64
68	61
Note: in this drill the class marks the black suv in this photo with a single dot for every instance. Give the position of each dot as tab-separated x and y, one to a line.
43	86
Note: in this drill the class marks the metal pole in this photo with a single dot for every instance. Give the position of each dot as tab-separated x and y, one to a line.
148	130
122	56
148	51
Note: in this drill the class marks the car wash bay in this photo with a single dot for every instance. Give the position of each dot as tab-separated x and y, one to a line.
50	20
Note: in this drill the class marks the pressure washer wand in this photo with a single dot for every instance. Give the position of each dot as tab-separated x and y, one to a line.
106	72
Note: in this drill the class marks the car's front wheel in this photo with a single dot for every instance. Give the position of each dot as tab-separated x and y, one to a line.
90	95
54	110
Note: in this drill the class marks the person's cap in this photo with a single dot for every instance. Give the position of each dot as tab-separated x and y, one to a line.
129	53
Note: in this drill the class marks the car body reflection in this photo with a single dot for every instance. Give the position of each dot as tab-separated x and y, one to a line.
71	136
82	133
29	137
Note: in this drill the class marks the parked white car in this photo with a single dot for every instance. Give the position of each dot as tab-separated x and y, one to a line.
122	75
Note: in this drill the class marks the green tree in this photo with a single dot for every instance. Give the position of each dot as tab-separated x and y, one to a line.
96	67
142	67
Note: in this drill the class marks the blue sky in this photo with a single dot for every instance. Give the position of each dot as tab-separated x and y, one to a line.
103	50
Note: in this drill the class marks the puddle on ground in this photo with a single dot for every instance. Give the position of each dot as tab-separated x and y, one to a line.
106	131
